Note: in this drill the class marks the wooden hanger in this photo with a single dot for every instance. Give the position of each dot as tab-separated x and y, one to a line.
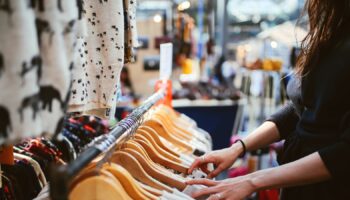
152	133
185	135
156	157
177	117
161	130
181	135
178	123
82	176
133	144
128	182
168	124
163	177
151	190
165	121
142	134
100	187
138	148
135	169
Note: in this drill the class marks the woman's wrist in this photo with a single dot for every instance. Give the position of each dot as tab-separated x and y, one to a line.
237	148
258	179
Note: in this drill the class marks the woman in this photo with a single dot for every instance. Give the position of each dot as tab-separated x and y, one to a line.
316	124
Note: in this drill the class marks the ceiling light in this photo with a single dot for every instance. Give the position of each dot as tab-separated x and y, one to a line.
184	6
157	18
274	44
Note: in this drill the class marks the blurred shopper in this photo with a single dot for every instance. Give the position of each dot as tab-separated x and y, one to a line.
315	164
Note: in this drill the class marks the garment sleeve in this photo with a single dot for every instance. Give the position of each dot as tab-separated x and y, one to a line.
285	119
337	156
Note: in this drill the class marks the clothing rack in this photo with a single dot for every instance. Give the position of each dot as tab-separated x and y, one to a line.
60	176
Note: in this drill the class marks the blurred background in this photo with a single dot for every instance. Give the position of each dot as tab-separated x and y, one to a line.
226	52
232	60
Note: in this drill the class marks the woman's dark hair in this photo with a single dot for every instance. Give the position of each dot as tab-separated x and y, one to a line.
329	26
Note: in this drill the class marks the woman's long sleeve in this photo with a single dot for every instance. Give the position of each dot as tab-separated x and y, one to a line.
285	119
337	156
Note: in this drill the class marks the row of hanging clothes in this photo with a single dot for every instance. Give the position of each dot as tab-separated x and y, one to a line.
151	161
152	164
28	172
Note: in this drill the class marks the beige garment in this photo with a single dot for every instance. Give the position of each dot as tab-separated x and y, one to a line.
100	58
131	37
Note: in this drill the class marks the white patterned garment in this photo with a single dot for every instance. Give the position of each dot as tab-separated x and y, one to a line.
36	52
101	58
131	37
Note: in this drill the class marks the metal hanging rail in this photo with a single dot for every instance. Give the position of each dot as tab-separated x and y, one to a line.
61	176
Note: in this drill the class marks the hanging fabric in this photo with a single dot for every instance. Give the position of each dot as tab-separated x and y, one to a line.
29	174
131	36
36	55
111	31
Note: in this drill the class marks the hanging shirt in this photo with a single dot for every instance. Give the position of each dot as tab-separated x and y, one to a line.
131	37
101	56
36	54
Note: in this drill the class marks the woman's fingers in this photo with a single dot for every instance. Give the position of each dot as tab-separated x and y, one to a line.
206	192
194	165
199	162
204	168
216	172
205	182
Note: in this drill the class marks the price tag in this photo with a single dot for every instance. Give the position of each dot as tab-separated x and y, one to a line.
166	61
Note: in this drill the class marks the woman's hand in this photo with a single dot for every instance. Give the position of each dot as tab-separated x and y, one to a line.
222	159
308	170
230	189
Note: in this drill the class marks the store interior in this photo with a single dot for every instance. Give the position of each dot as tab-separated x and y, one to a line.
116	99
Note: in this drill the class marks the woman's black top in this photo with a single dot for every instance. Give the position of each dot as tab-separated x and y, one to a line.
318	120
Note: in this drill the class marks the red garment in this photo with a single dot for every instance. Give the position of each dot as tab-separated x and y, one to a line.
269	194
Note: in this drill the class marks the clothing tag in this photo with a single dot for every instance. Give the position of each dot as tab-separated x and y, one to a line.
210	167
108	112
197	174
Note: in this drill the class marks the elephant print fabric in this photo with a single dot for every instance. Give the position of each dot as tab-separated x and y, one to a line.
37	40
